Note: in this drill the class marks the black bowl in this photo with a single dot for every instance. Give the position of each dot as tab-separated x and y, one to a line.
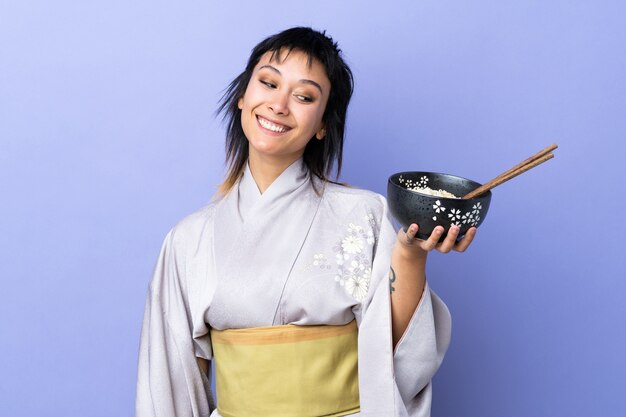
427	211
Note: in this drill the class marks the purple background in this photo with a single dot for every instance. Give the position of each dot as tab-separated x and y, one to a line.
108	137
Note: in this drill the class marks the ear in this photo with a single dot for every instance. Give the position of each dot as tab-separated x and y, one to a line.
240	103
321	134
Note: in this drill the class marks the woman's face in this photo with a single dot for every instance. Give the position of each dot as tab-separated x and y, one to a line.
283	106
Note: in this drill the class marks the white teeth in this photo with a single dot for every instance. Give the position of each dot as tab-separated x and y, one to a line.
271	126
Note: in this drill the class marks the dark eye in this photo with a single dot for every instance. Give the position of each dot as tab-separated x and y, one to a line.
268	84
304	99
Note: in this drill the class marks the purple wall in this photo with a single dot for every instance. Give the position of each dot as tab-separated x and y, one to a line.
107	138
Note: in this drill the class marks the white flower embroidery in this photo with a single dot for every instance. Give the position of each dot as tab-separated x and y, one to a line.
370	219
476	208
468	218
352	244
357	286
321	261
353	257
438	207
353	229
355	267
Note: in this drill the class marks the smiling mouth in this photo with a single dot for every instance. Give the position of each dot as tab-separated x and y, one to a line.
274	127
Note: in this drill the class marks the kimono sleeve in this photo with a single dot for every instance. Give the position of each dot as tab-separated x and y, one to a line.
170	382
420	351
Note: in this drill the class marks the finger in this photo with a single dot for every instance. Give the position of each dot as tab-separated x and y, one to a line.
466	241
450	240
411	232
433	239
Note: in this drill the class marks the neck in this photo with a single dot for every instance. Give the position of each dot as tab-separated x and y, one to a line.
265	170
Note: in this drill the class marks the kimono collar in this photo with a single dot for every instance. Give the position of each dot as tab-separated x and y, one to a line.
250	198
258	238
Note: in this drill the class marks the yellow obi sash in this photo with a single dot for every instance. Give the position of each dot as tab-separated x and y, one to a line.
286	371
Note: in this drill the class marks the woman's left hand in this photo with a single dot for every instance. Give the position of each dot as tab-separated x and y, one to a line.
410	246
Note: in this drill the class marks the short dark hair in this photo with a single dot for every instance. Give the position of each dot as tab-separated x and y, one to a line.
319	156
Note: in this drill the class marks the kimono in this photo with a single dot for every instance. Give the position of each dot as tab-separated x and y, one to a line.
301	253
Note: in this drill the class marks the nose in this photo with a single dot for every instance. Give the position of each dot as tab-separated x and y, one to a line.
280	103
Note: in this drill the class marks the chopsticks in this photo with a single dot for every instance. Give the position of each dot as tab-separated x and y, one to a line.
538	158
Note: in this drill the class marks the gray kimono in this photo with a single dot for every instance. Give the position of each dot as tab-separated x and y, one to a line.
287	256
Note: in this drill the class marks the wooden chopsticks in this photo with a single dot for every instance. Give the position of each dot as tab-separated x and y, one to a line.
538	158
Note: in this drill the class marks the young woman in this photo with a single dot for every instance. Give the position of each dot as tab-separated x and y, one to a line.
297	289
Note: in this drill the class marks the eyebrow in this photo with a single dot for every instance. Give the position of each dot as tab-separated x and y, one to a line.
304	80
